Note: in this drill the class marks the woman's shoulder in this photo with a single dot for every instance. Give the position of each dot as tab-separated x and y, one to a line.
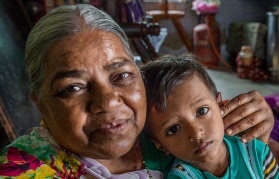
36	154
24	155
37	142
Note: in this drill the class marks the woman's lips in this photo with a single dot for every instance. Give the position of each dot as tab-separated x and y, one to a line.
203	147
117	127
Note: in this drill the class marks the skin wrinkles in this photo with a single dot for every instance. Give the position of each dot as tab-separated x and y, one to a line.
72	118
67	74
193	130
95	85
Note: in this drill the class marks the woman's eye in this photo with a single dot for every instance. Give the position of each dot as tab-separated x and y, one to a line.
71	89
173	130
122	76
202	111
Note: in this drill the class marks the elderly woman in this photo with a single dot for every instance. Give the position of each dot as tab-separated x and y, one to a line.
92	101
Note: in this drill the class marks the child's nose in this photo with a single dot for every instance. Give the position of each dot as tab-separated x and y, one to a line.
196	132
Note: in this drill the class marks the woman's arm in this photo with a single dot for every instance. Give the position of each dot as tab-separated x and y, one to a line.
248	111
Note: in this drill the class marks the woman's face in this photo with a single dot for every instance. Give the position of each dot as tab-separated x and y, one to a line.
92	98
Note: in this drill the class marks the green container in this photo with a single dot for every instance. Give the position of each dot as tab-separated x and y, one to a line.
251	34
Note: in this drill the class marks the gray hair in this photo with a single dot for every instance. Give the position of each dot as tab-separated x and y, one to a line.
60	23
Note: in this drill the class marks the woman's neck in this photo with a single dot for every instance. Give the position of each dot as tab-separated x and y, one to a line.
131	161
217	167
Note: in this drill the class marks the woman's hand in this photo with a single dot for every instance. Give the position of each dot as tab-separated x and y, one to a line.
248	111
274	148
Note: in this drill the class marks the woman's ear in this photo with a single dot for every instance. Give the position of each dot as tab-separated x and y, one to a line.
160	147
219	99
35	100
39	106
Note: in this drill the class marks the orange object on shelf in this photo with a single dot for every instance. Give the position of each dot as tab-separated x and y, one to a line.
249	66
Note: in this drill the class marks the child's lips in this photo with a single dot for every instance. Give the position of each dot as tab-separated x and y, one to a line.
203	147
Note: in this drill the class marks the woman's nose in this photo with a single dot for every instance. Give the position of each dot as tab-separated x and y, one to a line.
104	99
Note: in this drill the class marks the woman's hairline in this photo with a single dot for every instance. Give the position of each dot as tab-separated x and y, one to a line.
80	26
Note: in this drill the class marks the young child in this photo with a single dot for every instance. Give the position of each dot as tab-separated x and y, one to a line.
184	119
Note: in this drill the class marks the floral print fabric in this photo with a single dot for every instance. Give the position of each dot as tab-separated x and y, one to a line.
37	155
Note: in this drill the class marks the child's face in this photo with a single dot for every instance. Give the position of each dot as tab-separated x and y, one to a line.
191	128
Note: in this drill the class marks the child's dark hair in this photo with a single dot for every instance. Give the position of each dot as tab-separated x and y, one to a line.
166	73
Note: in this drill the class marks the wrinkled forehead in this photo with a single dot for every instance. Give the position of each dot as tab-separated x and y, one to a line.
87	51
99	46
83	40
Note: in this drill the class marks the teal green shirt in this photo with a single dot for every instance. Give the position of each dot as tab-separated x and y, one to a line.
252	160
154	158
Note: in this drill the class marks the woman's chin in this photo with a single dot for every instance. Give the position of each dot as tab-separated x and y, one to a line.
110	149
105	144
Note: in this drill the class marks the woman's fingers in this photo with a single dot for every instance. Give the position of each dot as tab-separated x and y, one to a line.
261	131
235	103
245	123
246	111
274	147
238	108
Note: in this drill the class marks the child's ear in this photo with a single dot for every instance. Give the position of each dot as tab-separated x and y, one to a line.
159	146
219	99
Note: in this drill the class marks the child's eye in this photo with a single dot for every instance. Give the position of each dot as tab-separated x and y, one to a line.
173	130
202	111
